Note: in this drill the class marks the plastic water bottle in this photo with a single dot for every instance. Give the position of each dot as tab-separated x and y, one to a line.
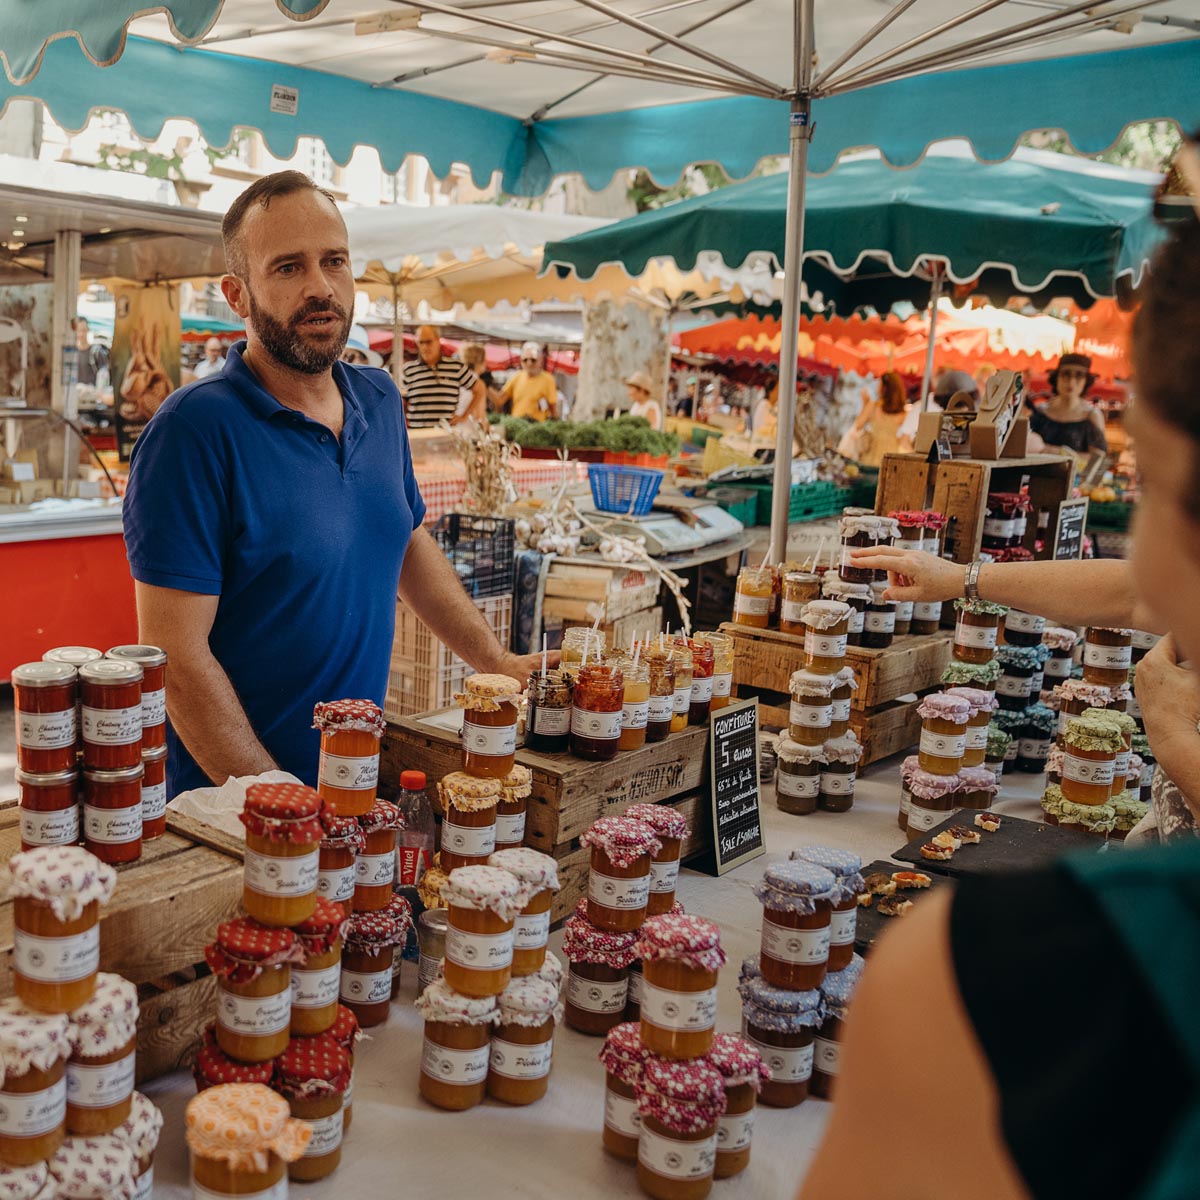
414	848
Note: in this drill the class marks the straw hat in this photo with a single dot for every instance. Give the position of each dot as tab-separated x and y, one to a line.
639	379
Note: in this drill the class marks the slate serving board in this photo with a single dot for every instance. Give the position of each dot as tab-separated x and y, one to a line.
870	924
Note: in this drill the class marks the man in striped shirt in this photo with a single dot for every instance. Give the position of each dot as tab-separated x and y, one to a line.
431	385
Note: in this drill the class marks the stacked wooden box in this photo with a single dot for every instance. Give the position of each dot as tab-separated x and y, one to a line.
624	598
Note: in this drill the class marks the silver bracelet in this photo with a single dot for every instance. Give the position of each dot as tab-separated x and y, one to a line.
971	582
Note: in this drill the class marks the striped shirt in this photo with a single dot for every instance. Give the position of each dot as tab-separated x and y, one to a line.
431	393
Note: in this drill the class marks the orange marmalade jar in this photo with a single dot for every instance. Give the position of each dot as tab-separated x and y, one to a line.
57	892
34	1048
598	978
367	959
242	1136
741	1066
489	734
619	878
1090	747
722	685
752	597
469	819
515	789
341	845
375	866
112	813
538	876
826	624
214	1067
140	1132
482	903
111	714
623	1058
253	966
49	808
100	1071
283	852
316	982
522	1047
44	699
312	1074
680	1104
153	662
154	793
349	770
457	1047
672	829
681	957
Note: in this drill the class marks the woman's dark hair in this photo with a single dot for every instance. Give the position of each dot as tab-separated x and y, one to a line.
892	394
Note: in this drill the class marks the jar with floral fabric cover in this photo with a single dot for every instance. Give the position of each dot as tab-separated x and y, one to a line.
633	1005
342	841
598	975
741	1066
680	1104
1013	723
311	1075
375	865
846	869
912	529
797	899
538	876
977	788
140	1132
242	1137
213	1067
92	1168
839	773
1075	696
975	675
457	1046
1036	738
1090	747
469	819
780	1025
798	776
1129	809
857	596
623	1056
522	1047
100	1071
316	981
837	990
976	630
943	732
1061	644
998	743
619	876
933	798
1100	820
982	705
482	904
34	1048
347	1033
1128	727
348	774
489	732
283	852
368	952
673	830
515	789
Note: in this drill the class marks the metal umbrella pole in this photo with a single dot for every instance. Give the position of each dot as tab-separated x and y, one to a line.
934	297
397	333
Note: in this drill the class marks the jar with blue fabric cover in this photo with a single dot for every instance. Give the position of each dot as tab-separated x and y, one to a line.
781	1026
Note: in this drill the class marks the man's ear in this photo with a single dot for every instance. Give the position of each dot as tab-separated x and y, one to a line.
236	295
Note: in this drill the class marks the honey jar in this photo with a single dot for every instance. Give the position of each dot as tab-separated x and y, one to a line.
213	1066
681	706
680	1104
1122	776
703	658
1107	656
1075	696
636	708
976	630
489	733
44	699
242	1137
457	1046
826	624
548	719
797	899
846	869
369	943
49	808
283	852
1090	748
482	903
469	819
112	813
91	1168
110	716
348	774
100	1071
797	776
312	1075
799	588
943	732
619	875
154	793
375	865
538	876
316	981
673	830
515	789
522	1049
1099	820
879	623
845	684
981	706
811	711
837	989
598	977
857	595
722	686
140	1132
57	892
662	694
583	644
341	842
597	712
781	1025
681	957
741	1066
153	662
912	529
34	1048
752	597
623	1057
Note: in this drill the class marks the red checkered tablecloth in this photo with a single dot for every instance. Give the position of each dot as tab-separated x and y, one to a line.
442	488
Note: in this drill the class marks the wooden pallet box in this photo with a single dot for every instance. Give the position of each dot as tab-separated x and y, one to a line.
582	591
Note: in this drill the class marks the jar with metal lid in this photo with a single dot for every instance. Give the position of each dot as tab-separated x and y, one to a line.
799	589
798	776
316	981
636	708
846	868
375	865
976	630
681	958
154	793
312	1075
797	900
348	774
662	694
103	1033
515	789
368	951
548	719
538	876
623	1057
741	1066
582	642
943	732
837	989
857	595
45	697
981	705
839	773
1090	748
431	937
811	711
682	703
153	662
672	829
112	813
826	624
723	652
469	819
619	874
522	1047
1107	656
341	842
283	852
482	903
489	732
879	622
680	1104
702	680
140	1132
49	808
752	597
457	1046
844	686
34	1048
598	975
597	712
926	617
110	693
780	1024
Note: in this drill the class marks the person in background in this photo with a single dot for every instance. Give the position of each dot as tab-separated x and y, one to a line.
765	420
641	399
686	405
431	384
531	390
91	361
358	352
946	384
474	354
880	420
213	362
1067	421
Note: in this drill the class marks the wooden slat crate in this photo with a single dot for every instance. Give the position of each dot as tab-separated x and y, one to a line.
583	591
624	629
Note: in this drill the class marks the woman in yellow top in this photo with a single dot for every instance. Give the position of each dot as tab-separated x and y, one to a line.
531	389
878	425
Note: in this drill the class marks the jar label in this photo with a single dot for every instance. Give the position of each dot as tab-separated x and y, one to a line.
112	726
1058	667
1097	771
683	700
495	740
397	960
806	947
1035	748
1063	718
349	774
514	1061
154	802
46	731
1133	708
56	960
143	1185
735	1132
375	870
904	610
661	707
826	1054
552	722
857	616
531	931
921	819
620	894
751	606
999	527
841	710
32	1114
336	884
997	768
635	985
981	637
1010	755
58	828
677	1159
1014	685
803	787
465	1067
814	716
427	971
908	543
635	715
154	708
366	987
593	996
600	726
723	683
278	1192
473	841
702	689
881	621
348	1094
112	826
905	800
664	875
510	828
1108	658
789	1064
1024	622
254	1016
272	876
977	736
838	783
100	1087
943	745
1020	524
326	1135
1147	776
316	989
842	927
927	610
790	611
621	1114
822	645
479	951
690	1012
1121	764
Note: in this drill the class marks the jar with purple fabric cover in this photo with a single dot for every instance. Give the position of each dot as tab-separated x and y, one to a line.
983	704
1061	644
977	788
838	775
943	733
1075	696
934	797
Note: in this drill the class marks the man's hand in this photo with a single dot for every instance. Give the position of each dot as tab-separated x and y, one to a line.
1170	698
913	574
519	666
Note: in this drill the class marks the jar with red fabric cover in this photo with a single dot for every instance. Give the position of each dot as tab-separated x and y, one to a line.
347	1033
341	844
282	861
598	977
312	1075
348	774
741	1066
316	982
213	1066
370	942
680	1104
111	714
375	866
623	1057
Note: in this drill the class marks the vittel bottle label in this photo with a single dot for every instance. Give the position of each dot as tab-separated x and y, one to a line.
326	1135
690	1012
683	700
1035	748
1014	685
375	870
664	875
978	636
46	731
621	1114
826	1055
60	828
496	740
278	1192
552	722
923	819
469	840
677	1159
316	989
337	884
789	1064
976	736
735	1132
837	783
807	947
366	987
56	960
661	707
1099	772
31	1114
803	787
514	1061
621	894
1024	622
349	774
702	689
255	1016
112	726
943	745
154	801
842	927
926	611
601	726
100	1087
479	951
596	997
531	931
723	684
510	828
464	1067
751	606
881	621
154	707
112	826
790	611
1058	667
271	876
815	716
635	715
822	645
1108	658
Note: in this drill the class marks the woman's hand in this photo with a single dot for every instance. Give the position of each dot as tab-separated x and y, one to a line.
1169	695
913	574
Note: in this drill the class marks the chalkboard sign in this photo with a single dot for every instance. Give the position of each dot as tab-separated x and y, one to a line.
1068	536
733	771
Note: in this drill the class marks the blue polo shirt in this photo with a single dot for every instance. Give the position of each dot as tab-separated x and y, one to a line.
300	534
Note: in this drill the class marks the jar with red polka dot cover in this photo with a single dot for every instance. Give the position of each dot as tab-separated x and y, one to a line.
140	1132
101	1068
341	844
348	775
316	982
619	874
673	830
680	1104
44	700
214	1067
283	852
598	977
681	957
375	866
370	941
312	1074
347	1032
153	662
624	1055
742	1068
110	693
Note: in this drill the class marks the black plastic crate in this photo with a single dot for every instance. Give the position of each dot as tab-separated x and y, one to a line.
480	550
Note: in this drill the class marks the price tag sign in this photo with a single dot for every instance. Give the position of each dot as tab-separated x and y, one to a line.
1069	530
733	772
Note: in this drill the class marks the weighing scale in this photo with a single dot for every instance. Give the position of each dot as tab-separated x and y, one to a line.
676	524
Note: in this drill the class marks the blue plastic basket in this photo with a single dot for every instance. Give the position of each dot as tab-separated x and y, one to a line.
626	490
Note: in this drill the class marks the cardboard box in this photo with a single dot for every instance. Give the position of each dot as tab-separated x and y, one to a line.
18	471
999	431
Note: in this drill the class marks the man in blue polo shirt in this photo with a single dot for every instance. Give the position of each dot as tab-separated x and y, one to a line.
272	515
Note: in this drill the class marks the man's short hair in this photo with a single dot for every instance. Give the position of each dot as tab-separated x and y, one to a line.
261	192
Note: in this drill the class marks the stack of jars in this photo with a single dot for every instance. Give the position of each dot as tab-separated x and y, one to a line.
1093	744
1060	661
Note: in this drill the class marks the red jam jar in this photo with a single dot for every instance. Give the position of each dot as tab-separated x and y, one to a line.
349	768
213	1066
370	946
112	813
680	1105
597	712
316	982
741	1067
282	860
44	697
598	978
153	662
619	875
49	808
375	866
673	830
111	714
703	658
340	846
797	899
154	793
312	1075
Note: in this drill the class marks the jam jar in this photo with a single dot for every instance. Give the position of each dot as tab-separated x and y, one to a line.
457	1047
515	789
1107	656
1074	697
431	938
798	776
110	716
932	798
1000	521
140	1132
57	892
348	774
662	694
375	865
1129	810
212	1066
538	876
1035	739
347	1033
976	675
681	958
283	852
598	977
100	1070
49	808
858	596
1061	644
1128	726
635	710
826	623
944	720
976	630
619	875
912	529
846	869
253	966
702	681
682	704
680	1104
863	532
548	720
469	819
1018	666
45	699
1090	748
489	732
926	617
368	952
312	1075
811	711
797	899
1100	820
837	989
597	712
723	651
242	1137
316	981
623	1058
903	612
522	1049
672	829
780	1025
482	903
998	743
154	793
799	588
34	1048
1023	629
982	705
112	813
841	698
153	662
1142	643
976	790
742	1068
581	644
752	597
839	773
879	623
341	842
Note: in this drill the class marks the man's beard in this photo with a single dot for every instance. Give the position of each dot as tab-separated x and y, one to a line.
285	343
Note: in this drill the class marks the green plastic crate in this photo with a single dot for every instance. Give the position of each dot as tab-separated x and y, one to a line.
808	501
739	502
700	435
1115	515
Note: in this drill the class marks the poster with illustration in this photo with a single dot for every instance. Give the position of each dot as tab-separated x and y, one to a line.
145	357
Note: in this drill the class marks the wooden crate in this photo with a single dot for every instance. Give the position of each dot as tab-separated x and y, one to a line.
582	591
624	629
